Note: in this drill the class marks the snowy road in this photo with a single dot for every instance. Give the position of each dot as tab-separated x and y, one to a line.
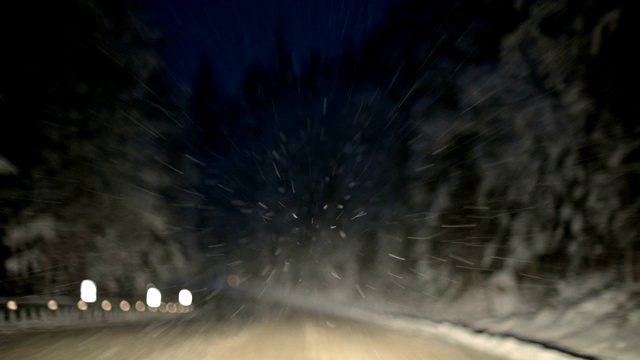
300	337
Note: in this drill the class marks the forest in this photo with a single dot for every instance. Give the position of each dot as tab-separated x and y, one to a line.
493	147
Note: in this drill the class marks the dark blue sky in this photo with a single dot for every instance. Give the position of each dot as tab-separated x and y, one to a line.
234	33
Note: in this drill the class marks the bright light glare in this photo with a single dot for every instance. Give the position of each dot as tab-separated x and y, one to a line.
52	305
184	297
154	298
88	291
82	305
12	305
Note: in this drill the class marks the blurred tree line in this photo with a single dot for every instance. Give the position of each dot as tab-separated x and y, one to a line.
86	124
493	138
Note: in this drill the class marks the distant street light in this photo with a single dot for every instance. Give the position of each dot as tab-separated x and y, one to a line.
154	298
184	297
88	291
172	308
139	306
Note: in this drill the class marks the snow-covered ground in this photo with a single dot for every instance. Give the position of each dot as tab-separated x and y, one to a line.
590	315
496	345
587	318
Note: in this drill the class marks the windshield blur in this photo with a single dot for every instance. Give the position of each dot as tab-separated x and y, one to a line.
227	164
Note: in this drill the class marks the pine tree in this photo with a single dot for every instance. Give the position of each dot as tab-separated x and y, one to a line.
92	159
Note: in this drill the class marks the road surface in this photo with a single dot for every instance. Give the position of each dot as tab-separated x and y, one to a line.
305	336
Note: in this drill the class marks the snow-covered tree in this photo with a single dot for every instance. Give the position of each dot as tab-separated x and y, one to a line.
549	164
92	153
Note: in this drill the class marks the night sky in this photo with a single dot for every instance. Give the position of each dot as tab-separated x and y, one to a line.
235	33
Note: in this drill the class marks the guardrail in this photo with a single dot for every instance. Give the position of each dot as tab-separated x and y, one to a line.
53	312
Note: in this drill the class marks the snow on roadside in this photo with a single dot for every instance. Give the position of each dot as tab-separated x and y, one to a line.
587	317
592	315
606	324
501	346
